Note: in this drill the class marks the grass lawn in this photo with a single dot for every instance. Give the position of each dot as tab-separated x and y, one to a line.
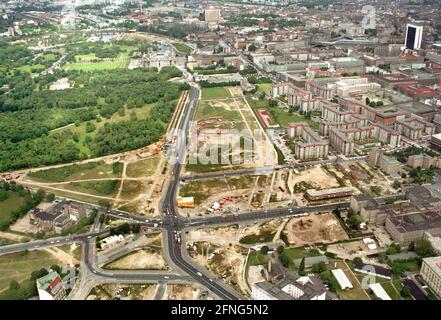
18	267
85	57
49	57
99	188
357	292
8	206
143	168
203	168
131	189
206	110
279	115
182	48
391	291
262	237
256	258
200	189
90	170
6	242
215	93
96	66
298	253
264	87
32	69
85	198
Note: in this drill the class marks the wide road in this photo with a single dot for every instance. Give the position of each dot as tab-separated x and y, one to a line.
126	275
172	223
52	242
263	215
269	169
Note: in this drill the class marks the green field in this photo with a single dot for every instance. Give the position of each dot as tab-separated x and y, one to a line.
182	48
19	267
279	115
49	57
262	237
84	198
264	87
391	290
8	206
90	170
131	189
85	57
142	168
98	188
298	253
6	242
256	258
97	66
207	109
32	69
215	93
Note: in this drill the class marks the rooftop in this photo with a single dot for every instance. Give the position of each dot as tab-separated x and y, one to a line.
311	286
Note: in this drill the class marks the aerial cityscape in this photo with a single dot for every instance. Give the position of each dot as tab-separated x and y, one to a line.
220	150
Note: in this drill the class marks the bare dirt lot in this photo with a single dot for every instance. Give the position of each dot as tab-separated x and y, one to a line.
316	177
255	274
234	194
317	228
147	259
219	236
226	261
350	250
181	292
125	292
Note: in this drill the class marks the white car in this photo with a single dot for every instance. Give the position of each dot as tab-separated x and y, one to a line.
166	277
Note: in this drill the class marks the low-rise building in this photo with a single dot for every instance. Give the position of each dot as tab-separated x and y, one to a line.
314	195
407	220
58	217
291	287
60	84
51	287
111	241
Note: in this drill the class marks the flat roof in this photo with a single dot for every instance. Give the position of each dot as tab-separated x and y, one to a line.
379	291
315	193
342	279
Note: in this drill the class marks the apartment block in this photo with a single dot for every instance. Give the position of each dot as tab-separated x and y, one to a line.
312	147
377	158
414	127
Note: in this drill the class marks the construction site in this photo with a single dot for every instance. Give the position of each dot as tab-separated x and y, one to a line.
218	114
224	250
314	229
232	195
